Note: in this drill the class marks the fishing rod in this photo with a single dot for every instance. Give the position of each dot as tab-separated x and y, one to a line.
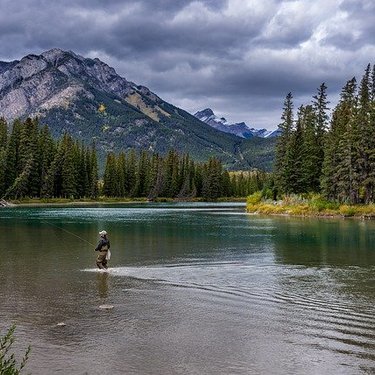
2	199
73	234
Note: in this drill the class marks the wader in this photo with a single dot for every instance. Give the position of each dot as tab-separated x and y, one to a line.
101	260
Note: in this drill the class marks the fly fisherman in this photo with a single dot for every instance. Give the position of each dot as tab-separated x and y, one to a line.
103	248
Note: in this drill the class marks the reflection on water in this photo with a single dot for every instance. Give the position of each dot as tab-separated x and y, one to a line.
196	288
102	282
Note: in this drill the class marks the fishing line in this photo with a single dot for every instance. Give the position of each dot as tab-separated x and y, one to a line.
73	234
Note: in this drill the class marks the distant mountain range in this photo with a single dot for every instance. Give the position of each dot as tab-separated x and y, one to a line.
241	129
88	99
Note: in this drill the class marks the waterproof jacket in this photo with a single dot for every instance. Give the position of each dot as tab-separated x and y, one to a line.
103	244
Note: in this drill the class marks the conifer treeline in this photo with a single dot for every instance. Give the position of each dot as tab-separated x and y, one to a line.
334	157
33	164
174	176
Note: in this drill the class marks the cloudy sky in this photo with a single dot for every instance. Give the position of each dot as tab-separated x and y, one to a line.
239	57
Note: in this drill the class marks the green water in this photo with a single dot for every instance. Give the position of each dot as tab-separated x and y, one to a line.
196	289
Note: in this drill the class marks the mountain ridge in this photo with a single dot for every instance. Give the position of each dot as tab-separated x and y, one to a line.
241	129
87	98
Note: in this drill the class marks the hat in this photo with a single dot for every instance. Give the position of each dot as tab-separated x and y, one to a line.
103	233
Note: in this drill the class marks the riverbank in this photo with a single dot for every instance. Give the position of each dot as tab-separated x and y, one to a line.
314	207
71	202
105	200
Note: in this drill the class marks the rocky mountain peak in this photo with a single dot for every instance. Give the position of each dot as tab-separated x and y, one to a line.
87	98
241	129
53	79
208	112
55	54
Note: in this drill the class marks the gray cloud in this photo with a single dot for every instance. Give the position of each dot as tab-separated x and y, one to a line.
240	57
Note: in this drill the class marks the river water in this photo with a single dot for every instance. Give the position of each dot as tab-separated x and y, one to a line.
195	289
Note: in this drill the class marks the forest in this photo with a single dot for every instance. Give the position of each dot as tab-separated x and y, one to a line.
329	154
35	165
318	152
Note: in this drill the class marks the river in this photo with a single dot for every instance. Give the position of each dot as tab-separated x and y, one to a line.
196	288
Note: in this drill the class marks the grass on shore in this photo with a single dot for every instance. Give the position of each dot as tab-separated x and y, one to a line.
314	206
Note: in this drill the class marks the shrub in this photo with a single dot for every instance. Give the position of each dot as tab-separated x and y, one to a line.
267	193
346	210
293	199
318	203
8	364
254	198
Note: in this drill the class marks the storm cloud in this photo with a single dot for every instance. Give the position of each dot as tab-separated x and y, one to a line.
239	57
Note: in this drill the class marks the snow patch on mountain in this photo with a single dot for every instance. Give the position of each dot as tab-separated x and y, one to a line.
241	129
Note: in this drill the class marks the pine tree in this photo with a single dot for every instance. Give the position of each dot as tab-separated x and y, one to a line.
3	145
198	179
93	174
80	161
311	152
320	107
121	172
68	168
212	183
131	177
20	185
142	186
365	137
286	128
171	174
157	176
12	168
52	184
110	178
3	133
294	158
369	183
346	175
29	153
227	189
47	151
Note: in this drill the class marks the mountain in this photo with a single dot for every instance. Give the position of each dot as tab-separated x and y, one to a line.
240	129
88	99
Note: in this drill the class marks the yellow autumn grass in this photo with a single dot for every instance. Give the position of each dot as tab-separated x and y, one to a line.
314	206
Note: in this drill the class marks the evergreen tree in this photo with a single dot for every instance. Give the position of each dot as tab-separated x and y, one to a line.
110	176
295	158
344	176
47	151
157	177
131	177
20	185
320	107
142	186
212	179
29	156
283	142
82	175
121	172
68	168
311	156
198	179
93	174
52	183
3	144
227	189
366	137
12	168
171	174
3	133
